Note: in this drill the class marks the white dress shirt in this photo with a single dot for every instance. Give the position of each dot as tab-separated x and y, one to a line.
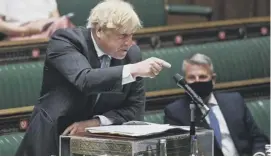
126	78
228	147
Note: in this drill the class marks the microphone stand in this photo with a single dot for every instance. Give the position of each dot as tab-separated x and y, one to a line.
193	137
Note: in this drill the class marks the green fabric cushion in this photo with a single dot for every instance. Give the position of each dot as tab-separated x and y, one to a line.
260	110
233	60
10	143
190	10
20	84
80	8
154	117
151	12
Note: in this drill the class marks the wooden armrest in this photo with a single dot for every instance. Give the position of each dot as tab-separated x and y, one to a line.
17	110
201	25
23	42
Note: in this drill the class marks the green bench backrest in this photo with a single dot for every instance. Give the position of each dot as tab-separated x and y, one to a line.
80	8
10	143
156	16
20	84
154	117
152	13
260	110
233	60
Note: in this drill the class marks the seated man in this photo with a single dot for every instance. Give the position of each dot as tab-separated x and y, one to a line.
30	19
236	132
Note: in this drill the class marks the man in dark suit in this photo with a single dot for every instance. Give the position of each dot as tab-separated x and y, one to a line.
92	76
234	128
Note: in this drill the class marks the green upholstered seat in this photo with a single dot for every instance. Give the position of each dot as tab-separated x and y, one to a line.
10	143
233	60
20	84
151	12
156	16
260	110
80	8
154	117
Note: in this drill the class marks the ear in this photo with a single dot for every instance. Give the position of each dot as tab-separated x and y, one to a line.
99	32
214	78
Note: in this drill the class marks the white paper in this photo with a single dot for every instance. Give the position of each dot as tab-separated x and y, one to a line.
136	130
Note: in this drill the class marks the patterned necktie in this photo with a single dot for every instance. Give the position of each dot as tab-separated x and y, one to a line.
105	63
214	124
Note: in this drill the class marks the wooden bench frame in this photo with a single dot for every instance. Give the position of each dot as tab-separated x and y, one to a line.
203	25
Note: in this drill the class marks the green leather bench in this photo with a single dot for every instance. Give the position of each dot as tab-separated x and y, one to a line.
233	60
154	116
9	143
20	84
157	16
260	110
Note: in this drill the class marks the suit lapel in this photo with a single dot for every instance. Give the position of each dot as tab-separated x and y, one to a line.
92	56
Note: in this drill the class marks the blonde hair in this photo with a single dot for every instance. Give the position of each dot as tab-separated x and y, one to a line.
114	14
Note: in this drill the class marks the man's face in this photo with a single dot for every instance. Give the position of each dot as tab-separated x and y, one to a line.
114	43
198	73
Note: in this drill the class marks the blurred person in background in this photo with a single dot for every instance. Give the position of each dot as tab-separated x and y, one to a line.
30	19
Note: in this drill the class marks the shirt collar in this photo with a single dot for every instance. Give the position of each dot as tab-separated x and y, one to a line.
212	99
100	53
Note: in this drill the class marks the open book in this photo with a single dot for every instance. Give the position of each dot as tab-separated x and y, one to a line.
136	129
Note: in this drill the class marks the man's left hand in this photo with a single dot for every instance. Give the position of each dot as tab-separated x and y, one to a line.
80	126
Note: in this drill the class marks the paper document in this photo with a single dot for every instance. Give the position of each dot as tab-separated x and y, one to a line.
136	130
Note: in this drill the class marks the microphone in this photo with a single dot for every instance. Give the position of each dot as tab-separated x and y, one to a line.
195	98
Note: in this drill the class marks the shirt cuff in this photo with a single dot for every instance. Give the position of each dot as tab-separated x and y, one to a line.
259	154
104	120
126	75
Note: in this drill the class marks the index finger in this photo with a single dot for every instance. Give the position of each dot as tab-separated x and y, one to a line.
163	63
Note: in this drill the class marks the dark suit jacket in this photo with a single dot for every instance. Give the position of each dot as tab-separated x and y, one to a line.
72	78
248	139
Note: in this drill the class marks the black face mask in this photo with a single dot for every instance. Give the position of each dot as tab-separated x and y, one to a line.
203	89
